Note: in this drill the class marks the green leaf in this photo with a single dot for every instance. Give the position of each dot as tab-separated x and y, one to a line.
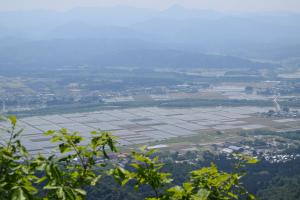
251	197
188	187
95	180
49	187
13	120
203	194
41	179
19	194
64	148
252	161
50	132
81	192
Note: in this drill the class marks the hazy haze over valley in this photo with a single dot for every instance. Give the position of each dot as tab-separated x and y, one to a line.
89	35
201	81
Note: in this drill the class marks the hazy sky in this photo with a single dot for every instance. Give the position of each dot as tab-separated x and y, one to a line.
221	5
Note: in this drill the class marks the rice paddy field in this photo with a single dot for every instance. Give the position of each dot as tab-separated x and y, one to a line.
147	125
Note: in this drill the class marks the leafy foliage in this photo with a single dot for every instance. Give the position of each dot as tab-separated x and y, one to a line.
62	175
17	175
146	171
207	183
78	164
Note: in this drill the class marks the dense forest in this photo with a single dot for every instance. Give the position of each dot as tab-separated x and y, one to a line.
268	181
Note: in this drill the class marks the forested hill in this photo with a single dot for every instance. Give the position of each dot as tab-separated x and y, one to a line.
24	53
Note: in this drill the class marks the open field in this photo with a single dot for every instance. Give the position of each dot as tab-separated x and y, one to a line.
152	124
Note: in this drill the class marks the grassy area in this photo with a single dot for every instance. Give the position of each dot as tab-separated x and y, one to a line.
201	140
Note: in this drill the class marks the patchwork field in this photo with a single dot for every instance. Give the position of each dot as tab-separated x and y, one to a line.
148	124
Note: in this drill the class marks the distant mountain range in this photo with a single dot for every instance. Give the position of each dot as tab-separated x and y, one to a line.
134	36
113	53
183	25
